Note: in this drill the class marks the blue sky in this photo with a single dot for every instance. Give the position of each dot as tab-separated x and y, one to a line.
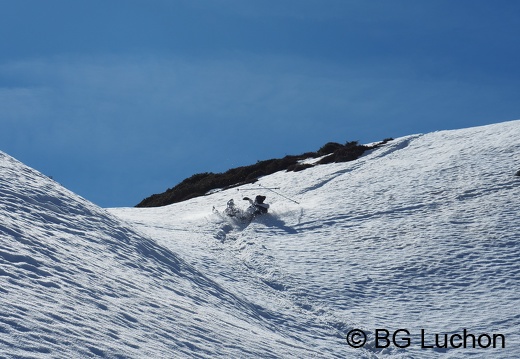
120	99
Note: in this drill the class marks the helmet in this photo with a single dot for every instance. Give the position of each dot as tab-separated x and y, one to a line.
260	199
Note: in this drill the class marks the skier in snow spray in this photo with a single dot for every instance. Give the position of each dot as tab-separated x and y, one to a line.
256	208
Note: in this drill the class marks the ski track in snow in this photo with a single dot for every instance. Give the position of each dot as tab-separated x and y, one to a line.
421	233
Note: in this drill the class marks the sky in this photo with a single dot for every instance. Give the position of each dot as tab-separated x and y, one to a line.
117	100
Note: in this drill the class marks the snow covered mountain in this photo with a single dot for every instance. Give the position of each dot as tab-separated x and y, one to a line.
419	238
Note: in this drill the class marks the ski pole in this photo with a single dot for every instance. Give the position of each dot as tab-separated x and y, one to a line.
254	189
292	200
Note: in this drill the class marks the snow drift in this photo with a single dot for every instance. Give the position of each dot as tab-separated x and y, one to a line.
420	235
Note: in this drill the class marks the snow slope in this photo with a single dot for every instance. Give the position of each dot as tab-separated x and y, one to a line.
421	234
77	282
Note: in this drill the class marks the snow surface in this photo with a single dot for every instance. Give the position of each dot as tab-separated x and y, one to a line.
421	233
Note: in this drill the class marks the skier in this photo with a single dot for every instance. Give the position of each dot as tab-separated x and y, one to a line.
257	206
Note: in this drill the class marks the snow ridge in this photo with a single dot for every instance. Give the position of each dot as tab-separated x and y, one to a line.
79	282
